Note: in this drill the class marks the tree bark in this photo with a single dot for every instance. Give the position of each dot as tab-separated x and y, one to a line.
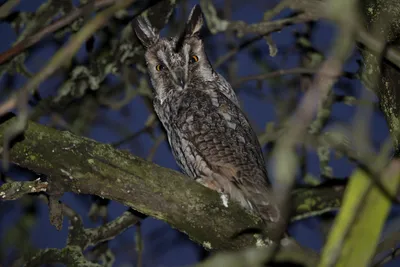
84	166
387	13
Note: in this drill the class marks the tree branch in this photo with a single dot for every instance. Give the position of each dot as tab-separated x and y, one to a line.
83	166
56	25
70	255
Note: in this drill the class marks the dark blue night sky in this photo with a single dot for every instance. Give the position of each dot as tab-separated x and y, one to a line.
164	246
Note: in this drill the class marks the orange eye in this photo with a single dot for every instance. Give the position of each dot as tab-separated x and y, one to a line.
194	59
159	67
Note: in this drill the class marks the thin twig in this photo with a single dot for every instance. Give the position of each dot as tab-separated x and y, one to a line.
6	7
155	146
65	53
67	19
284	150
58	60
221	60
273	74
392	256
148	128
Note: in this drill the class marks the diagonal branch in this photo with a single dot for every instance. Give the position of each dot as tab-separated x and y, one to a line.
70	255
81	165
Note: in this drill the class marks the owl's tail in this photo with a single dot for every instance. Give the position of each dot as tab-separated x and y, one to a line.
254	196
263	204
258	200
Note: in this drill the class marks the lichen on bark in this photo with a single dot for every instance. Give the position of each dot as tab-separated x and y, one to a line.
83	166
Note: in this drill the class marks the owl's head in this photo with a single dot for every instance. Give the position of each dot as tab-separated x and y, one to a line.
175	63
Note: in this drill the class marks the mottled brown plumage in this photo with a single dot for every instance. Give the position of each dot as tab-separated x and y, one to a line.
211	139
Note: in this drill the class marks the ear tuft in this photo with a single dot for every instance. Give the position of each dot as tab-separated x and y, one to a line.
144	31
194	22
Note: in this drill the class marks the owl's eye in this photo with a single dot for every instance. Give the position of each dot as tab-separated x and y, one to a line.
159	67
194	59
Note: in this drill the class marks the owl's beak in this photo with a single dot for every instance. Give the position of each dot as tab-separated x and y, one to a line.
182	83
180	76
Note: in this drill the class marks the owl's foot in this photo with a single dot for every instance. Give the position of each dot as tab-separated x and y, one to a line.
213	185
210	183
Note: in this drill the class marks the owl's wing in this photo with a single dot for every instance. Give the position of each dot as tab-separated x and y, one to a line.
225	152
227	89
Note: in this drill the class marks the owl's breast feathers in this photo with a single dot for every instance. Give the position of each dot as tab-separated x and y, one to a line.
213	142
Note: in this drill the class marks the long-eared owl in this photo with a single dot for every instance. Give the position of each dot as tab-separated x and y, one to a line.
211	138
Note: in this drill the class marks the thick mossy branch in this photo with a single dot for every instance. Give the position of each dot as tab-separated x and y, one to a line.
81	165
387	13
318	200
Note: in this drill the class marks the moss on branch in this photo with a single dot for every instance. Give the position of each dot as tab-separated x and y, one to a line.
84	166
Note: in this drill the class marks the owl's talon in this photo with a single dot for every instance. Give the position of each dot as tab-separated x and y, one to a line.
210	183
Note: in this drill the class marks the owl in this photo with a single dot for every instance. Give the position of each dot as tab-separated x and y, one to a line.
210	137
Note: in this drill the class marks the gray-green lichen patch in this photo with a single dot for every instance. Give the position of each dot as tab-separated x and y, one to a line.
260	242
371	10
225	200
127	51
395	124
41	135
207	245
307	204
71	138
66	173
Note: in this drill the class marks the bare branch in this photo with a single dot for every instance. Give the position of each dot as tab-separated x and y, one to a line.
65	20
70	255
15	190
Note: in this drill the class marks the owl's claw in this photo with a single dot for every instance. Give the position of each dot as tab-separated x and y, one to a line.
210	183
213	185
